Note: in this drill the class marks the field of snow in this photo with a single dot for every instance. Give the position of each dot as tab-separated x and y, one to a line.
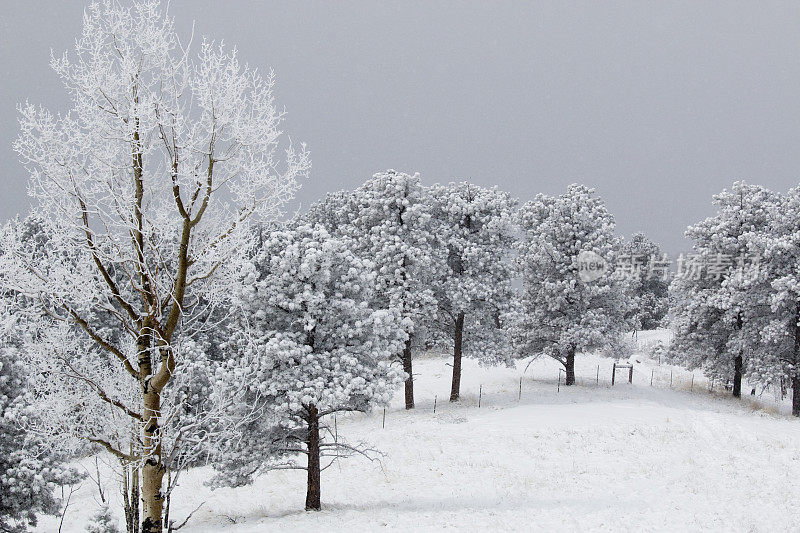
591	457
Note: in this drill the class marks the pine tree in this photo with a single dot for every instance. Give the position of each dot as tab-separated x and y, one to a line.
315	347
473	285
29	471
559	314
102	521
779	363
650	287
387	220
720	300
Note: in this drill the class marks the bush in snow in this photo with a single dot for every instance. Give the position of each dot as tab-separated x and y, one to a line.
558	313
102	521
310	345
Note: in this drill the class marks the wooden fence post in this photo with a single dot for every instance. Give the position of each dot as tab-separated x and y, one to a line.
613	374
480	395
630	375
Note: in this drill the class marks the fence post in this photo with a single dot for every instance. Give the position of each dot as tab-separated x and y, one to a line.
630	375
597	378
558	386
520	390
613	374
480	395
434	404
670	379
691	385
652	371
384	419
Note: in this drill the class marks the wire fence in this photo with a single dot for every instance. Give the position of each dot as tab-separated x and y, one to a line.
649	374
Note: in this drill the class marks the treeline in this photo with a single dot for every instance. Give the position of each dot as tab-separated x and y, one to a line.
320	315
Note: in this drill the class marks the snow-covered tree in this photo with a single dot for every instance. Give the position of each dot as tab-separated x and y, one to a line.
779	362
387	220
316	347
336	213
473	280
559	314
146	187
720	299
102	521
650	286
29	471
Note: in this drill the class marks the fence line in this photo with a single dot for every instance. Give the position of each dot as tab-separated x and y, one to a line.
675	379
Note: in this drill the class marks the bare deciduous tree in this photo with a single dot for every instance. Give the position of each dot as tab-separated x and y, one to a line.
145	189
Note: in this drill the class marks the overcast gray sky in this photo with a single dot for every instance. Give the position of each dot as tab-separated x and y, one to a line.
657	105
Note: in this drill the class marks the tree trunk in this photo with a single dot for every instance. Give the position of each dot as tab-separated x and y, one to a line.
407	368
737	377
152	469
569	366
130	496
796	376
796	396
312	443
458	340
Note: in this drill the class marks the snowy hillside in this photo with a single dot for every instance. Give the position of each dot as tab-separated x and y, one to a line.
589	457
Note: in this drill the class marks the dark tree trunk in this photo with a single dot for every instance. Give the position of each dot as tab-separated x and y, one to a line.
312	443
737	377
796	376
796	396
458	340
407	368
569	366
130	496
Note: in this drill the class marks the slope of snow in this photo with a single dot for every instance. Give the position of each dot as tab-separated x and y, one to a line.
590	457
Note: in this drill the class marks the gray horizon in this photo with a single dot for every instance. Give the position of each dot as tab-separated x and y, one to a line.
656	105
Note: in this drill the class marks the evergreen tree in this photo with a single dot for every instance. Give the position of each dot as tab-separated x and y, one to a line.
102	521
559	314
29	471
311	346
387	221
720	300
779	362
474	272
650	287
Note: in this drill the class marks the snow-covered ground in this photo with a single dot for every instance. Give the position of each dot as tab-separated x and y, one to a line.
591	457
